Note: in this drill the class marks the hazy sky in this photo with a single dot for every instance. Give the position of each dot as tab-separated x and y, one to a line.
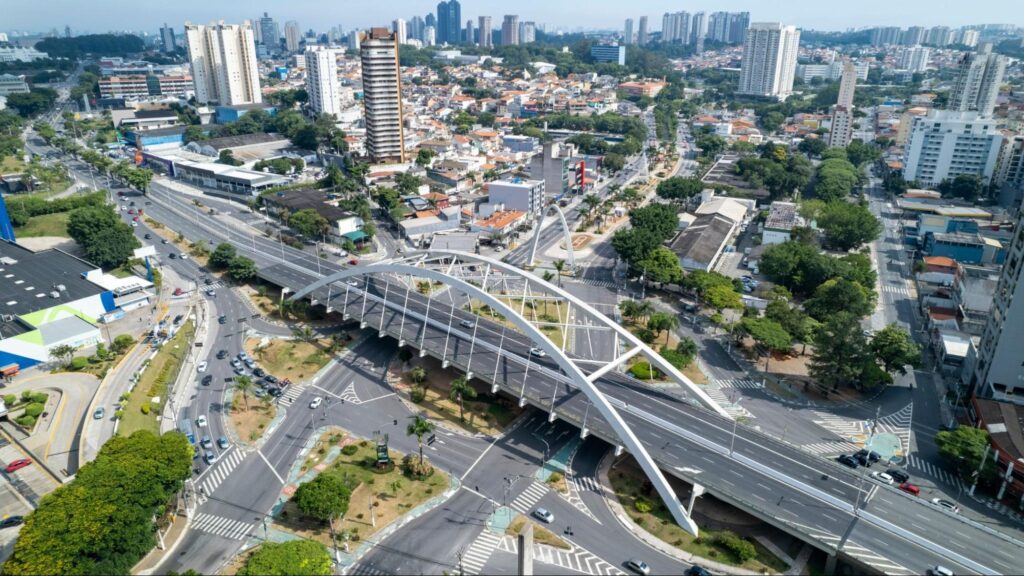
105	15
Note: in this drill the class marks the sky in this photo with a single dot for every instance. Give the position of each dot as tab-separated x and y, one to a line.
95	16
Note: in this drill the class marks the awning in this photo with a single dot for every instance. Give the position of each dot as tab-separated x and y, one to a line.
356	236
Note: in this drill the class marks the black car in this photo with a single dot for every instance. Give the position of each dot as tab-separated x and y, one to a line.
258	372
271	378
697	570
871	456
847	460
274	391
208	281
222	354
207	379
222	319
147	236
172	255
898	475
11	521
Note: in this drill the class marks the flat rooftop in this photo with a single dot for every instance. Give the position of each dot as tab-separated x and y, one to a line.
28	279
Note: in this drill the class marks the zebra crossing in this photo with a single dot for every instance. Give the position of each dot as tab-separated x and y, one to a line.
220	526
600	283
746	383
220	471
364	570
349	394
723	400
898	423
528	497
830	448
846	428
900	289
577	559
479	552
928	469
294	391
578	484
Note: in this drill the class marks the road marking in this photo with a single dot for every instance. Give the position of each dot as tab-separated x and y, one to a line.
478	458
271	466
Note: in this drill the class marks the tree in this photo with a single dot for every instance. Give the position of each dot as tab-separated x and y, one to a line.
836	178
193	134
722	297
306	138
661	219
121	343
840	352
840	295
244	385
424	157
242	268
769	334
965	186
308	222
548	275
307	557
418	375
106	240
711	145
222	255
963	449
663	322
62	353
419	427
461	390
848	226
613	162
635	244
28	104
813	146
679	188
227	156
590	202
895	349
661	265
305	334
325	498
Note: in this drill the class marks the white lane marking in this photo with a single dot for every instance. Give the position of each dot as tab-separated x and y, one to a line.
271	466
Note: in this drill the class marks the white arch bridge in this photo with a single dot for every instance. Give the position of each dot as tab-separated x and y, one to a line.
505	326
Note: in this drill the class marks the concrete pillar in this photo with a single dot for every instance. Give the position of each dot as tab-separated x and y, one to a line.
698	491
830	564
526	551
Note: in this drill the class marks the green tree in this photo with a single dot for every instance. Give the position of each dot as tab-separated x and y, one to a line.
663	322
459	391
244	385
661	219
222	255
895	349
121	343
965	186
680	188
228	157
840	295
559	267
308	222
661	265
418	375
419	427
304	334
306	138
634	244
424	157
963	449
722	297
840	352
848	226
613	162
325	498
62	353
242	268
307	557
769	334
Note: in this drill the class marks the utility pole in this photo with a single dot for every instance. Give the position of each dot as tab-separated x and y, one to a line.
981	465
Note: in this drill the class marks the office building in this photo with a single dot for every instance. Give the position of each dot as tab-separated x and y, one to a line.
885	36
430	36
698	27
912	36
518	194
641	34
167	41
399	28
292	35
13	84
527	32
979	76
269	34
449	22
627	32
841	131
142	86
382	96
609	53
223	58
486	40
322	80
915	59
510	30
675	28
769	60
470	35
946	143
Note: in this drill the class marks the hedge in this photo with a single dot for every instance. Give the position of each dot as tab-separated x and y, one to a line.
34	409
740	548
644	371
79	362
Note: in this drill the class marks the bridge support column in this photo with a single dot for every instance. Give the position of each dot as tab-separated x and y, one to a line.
584	432
830	564
618	450
551	416
698	491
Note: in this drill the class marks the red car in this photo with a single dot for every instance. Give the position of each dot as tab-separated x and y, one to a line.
910	488
353	261
17	465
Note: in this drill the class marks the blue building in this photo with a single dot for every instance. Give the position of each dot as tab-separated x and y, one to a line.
964	247
229	114
609	53
145	139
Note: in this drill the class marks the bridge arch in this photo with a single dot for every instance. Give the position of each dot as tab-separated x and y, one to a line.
566	233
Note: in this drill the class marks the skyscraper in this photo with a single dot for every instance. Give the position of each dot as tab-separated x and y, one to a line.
223	58
382	96
885	36
430	36
510	30
527	32
269	34
842	113
675	28
322	80
470	36
167	40
718	26
912	36
769	60
399	28
641	34
485	32
948	143
915	59
449	22
627	32
979	75
292	34
699	29
738	24
416	26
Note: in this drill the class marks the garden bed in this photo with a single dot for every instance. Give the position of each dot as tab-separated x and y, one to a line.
141	412
541	535
292	359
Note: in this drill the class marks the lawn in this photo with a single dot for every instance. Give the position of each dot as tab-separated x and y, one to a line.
250	423
391	493
11	165
161	373
628	482
292	359
46	225
541	535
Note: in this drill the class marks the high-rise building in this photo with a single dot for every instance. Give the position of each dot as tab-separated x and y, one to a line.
354	39
292	34
223	58
948	143
470	35
399	28
675	28
915	59
527	32
627	32
769	60
939	36
979	76
270	36
322	80
167	41
912	36
841	132
430	36
970	38
485	32
698	27
641	34
738	24
612	53
416	26
449	22
430	20
510	30
382	96
885	36
718	26
1009	175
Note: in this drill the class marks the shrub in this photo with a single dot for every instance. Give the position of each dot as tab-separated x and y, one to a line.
10	399
26	420
26	396
94	359
34	409
350	450
555	477
39	397
145	408
642	505
644	371
417	394
740	548
646	335
79	362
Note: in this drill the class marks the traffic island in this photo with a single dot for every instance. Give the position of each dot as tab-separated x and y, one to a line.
148	395
293	359
541	535
250	417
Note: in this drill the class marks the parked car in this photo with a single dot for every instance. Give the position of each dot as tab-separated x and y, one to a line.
258	372
898	475
206	442
871	456
274	391
947	505
270	378
11	521
201	367
847	460
638	566
235	363
911	488
316	402
17	465
544	514
222	443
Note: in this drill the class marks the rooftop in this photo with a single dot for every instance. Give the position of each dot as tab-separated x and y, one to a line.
1005	423
28	279
782	216
303	198
703	240
500	220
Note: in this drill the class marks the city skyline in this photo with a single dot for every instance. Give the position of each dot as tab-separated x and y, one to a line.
801	13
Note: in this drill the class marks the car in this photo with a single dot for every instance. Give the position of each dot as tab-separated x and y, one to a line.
250	363
537	352
274	391
240	370
222	443
316	402
222	319
99	413
467	323
639	566
207	281
910	488
898	475
201	367
207	380
131	210
871	456
164	241
210	292
697	570
544	514
270	378
353	261
147	236
947	505
201	421
847	460
183	256
353	283
883	478
243	356
11	521
235	363
259	393
940	571
206	442
210	457
258	372
17	465
222	354
172	255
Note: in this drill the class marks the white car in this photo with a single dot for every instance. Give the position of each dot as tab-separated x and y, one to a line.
946	504
183	256
201	367
883	478
537	352
201	421
316	402
544	514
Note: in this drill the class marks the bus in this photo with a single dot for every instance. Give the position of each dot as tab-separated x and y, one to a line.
185	427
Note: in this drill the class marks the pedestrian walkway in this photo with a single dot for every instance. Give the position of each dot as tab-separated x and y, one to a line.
293	392
725	401
364	570
479	552
577	485
852	430
600	283
576	558
528	497
220	471
220	526
898	423
921	466
900	289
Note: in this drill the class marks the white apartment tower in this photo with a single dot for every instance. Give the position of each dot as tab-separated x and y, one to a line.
527	32
292	35
400	29
223	58
382	96
641	34
627	32
699	27
946	143
979	76
769	60
322	80
841	131
999	373
915	59
675	27
485	32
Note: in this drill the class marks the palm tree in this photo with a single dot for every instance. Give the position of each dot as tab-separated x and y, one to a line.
337	342
548	276
590	201
305	334
460	390
628	308
644	309
663	321
244	384
419	428
559	265
418	375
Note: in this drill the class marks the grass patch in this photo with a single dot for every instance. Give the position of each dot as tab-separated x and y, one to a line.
292	359
46	225
541	535
251	423
629	483
141	413
391	493
11	165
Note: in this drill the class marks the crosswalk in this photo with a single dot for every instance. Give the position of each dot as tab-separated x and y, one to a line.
576	559
220	471
900	289
848	428
740	383
528	497
898	423
479	552
220	526
578	484
921	466
600	283
732	408
365	570
830	448
293	392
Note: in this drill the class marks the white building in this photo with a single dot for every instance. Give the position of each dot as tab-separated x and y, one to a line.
979	76
322	80
485	32
970	38
627	32
915	59
398	27
945	144
517	194
769	60
841	131
641	33
831	71
292	35
223	58
382	96
675	27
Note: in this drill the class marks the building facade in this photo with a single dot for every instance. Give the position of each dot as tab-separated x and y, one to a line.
382	96
627	32
675	27
979	76
999	372
641	33
518	194
223	58
322	80
449	22
486	40
841	131
270	36
510	30
292	36
945	144
769	60
609	53
138	86
168	43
